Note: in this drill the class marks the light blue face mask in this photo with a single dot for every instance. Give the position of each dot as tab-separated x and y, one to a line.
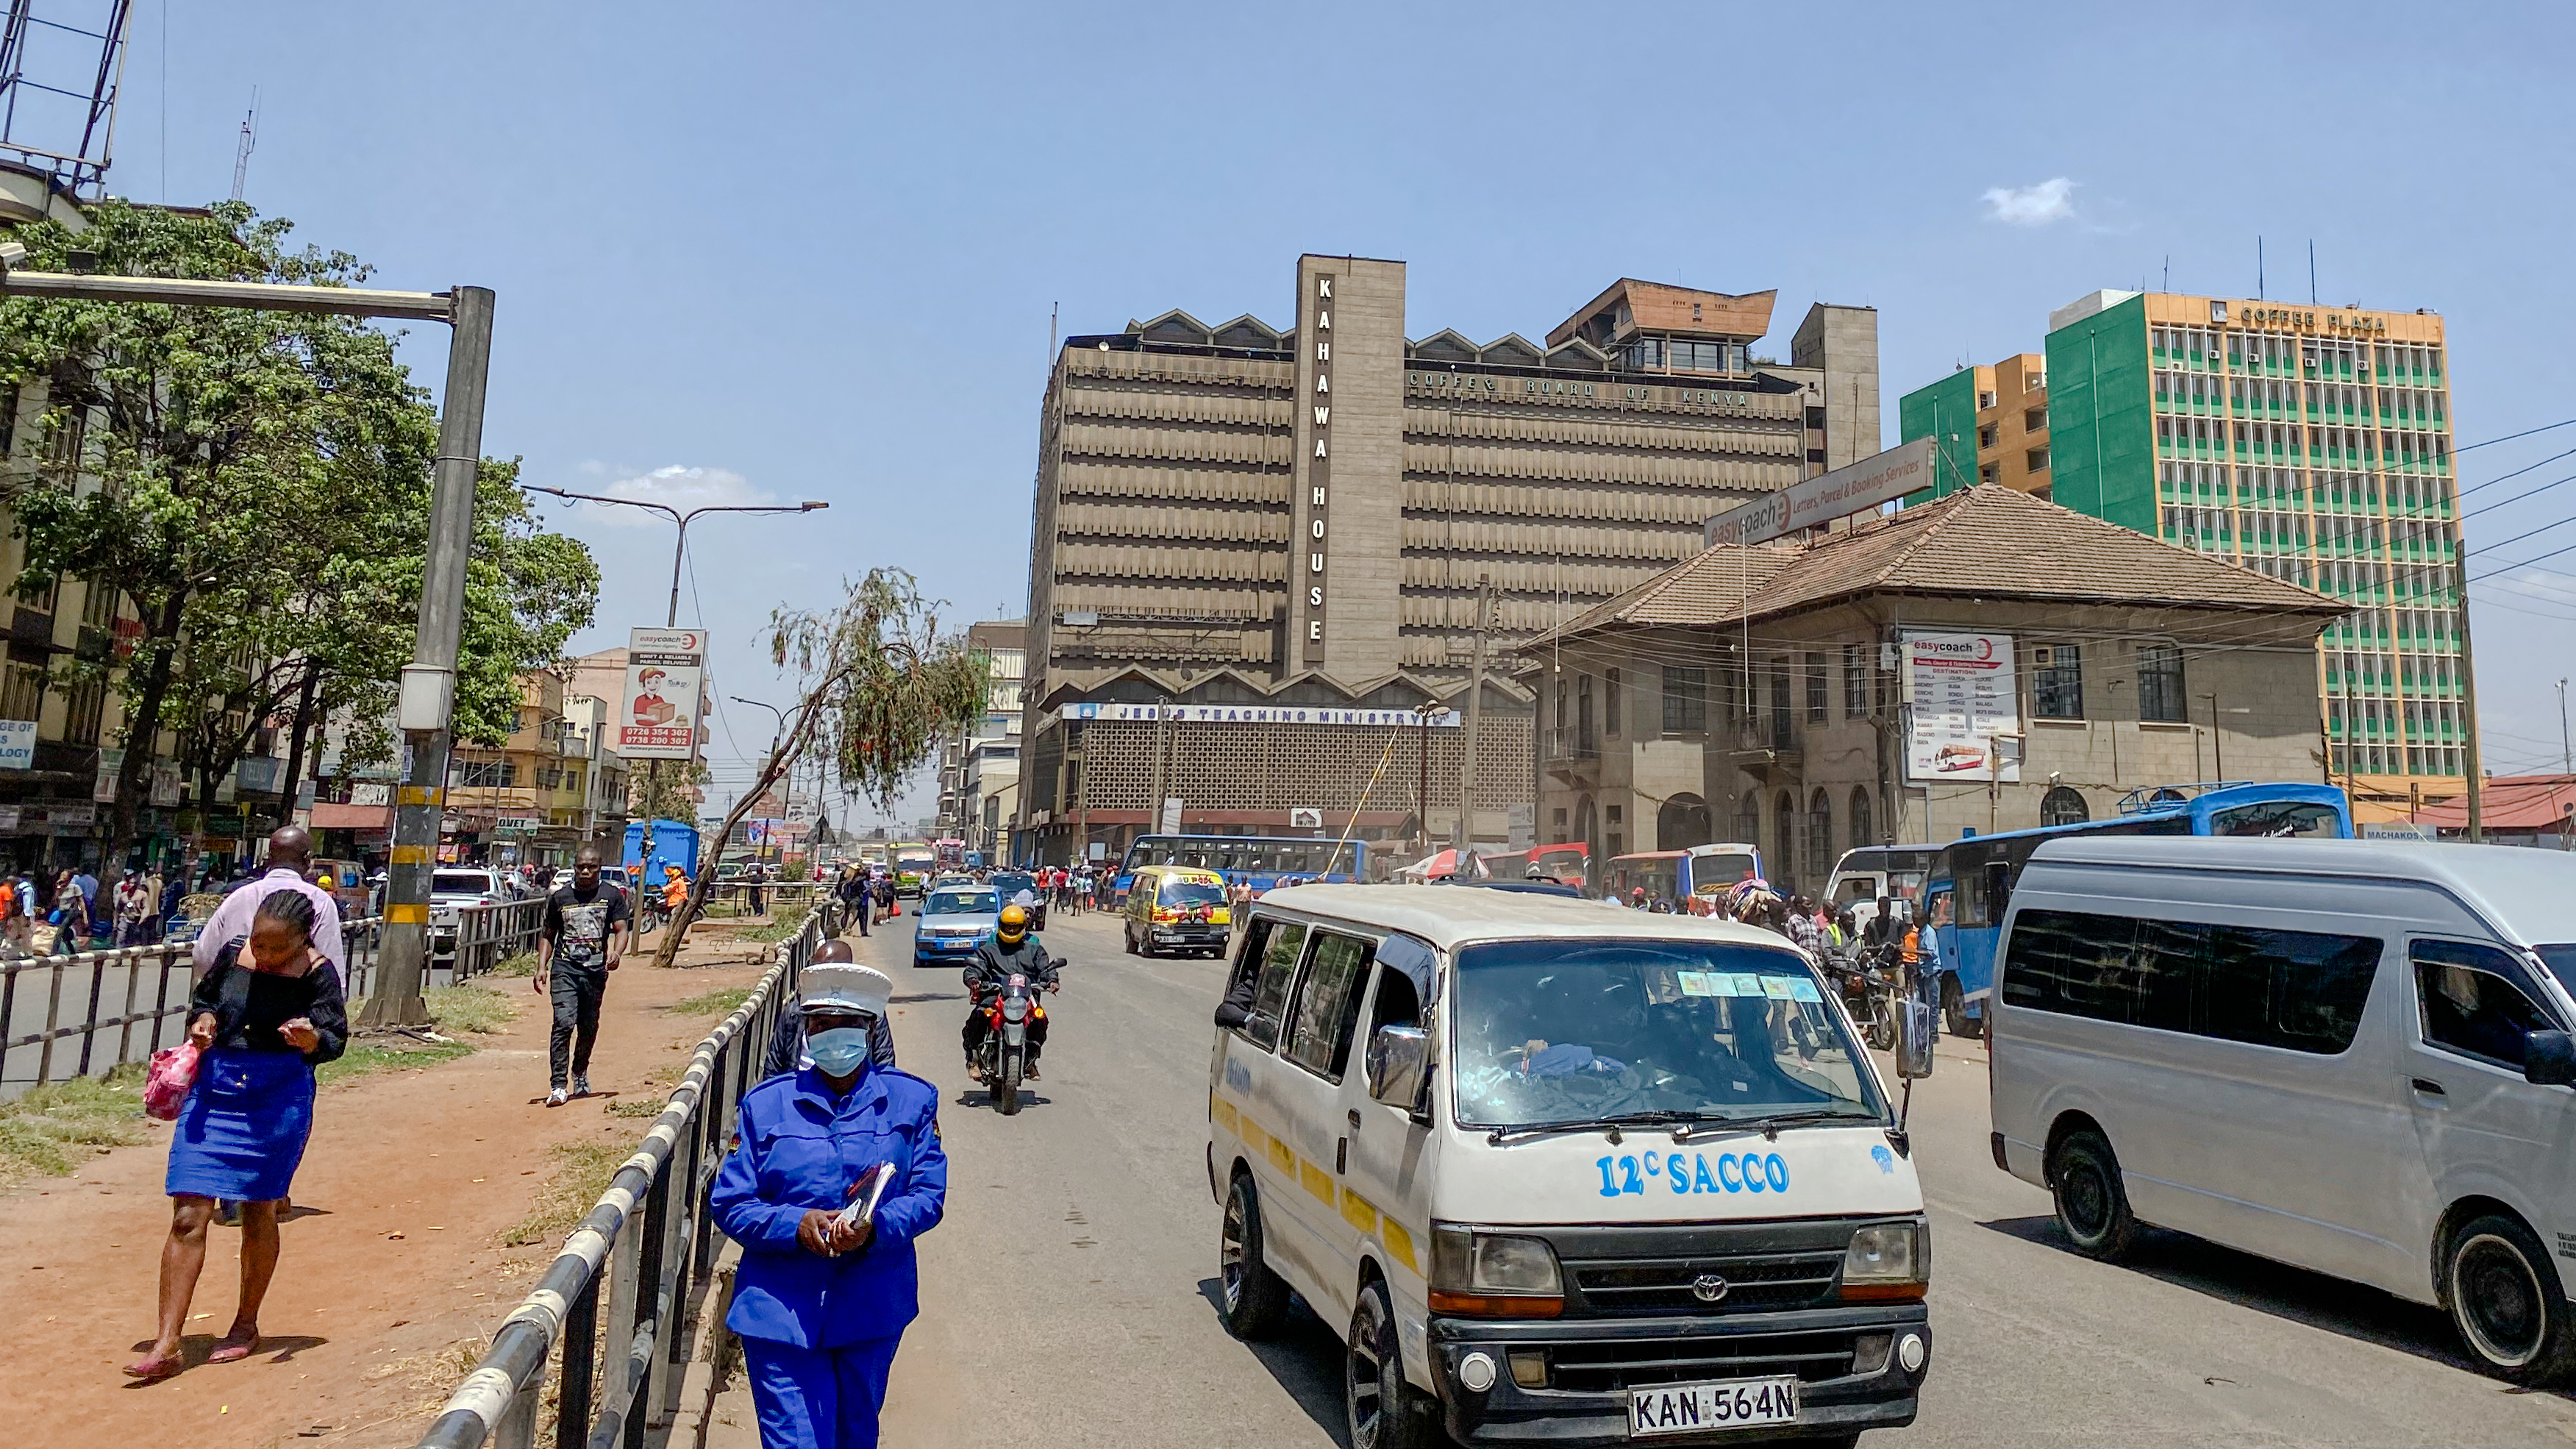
838	1051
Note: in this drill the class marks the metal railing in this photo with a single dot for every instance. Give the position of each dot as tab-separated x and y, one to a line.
650	1242
484	936
126	1003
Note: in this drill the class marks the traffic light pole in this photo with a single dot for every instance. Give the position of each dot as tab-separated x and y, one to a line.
429	682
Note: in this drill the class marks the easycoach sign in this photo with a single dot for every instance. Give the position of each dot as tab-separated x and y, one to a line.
1845	491
658	717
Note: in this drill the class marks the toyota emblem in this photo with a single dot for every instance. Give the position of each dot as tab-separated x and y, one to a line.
1708	1287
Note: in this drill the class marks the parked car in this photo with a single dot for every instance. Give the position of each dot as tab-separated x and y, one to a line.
451	889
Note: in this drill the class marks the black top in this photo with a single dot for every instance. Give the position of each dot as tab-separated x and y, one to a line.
994	963
579	924
249	1006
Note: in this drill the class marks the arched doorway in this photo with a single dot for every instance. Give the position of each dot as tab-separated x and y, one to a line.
1682	823
2062	806
1748	819
1784	839
1861	831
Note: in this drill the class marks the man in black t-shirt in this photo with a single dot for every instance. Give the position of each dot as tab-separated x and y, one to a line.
576	950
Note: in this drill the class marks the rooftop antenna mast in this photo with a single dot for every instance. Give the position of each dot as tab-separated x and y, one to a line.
249	139
66	134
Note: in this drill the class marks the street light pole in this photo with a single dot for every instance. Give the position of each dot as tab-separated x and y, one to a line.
775	736
426	704
670	615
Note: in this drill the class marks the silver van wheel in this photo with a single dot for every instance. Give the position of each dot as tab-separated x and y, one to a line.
2506	1300
2500	1307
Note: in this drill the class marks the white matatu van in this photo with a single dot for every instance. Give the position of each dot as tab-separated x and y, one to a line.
2348	1055
1566	1174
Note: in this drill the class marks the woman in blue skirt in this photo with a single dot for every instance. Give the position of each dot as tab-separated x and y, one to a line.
264	1017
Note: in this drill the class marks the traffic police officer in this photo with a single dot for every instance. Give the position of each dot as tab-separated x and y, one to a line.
821	1307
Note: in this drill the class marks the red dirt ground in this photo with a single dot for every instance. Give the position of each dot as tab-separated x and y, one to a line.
391	1277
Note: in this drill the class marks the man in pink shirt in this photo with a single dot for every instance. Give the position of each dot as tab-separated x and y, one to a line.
290	860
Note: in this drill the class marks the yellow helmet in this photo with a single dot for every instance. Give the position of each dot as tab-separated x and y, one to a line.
1015	925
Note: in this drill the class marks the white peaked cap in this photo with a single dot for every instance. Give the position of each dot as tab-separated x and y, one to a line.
838	986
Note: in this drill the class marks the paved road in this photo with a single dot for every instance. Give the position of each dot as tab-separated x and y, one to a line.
1067	1295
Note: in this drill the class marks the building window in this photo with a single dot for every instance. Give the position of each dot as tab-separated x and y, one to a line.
1556	820
1614	814
1820	836
84	705
2057	682
2160	696
1583	713
22	693
1855	681
1784	853
1615	843
487	774
1610	703
1986	436
1748	819
1816	690
2062	806
1685	699
2036	460
1861	833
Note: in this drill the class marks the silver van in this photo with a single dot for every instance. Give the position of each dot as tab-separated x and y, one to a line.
2351	1056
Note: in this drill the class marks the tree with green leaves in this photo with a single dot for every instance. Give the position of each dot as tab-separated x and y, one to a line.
878	686
258	485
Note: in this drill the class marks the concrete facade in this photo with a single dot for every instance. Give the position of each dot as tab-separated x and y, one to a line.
2310	443
1324	516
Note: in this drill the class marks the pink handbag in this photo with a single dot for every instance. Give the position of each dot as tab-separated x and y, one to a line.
165	1086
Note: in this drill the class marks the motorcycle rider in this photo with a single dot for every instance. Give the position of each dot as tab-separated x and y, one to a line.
1009	951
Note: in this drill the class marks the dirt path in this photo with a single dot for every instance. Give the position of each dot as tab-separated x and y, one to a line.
392	1276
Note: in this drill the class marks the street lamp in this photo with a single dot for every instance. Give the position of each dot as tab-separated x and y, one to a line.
671	618
776	735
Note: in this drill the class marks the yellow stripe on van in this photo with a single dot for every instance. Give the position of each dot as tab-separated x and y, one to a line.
1357	1211
1317	1181
1224	1113
1282	1158
1399	1243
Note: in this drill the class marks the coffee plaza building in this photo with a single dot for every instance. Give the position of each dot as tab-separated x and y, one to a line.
1264	558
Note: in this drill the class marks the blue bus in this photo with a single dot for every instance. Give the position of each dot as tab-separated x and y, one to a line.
1260	859
1977	872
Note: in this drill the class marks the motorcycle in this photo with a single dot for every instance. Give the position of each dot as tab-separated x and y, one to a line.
1870	988
1004	1058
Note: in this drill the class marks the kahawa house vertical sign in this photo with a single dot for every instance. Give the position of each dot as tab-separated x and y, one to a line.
665	674
1318	336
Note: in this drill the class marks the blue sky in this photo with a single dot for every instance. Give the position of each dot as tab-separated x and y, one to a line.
781	251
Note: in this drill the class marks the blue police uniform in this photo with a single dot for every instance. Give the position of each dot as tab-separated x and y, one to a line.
819	1334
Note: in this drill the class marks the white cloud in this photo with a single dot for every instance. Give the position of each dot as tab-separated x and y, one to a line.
2050	200
677	486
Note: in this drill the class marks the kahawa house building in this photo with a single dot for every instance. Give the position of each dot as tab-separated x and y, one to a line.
1262	556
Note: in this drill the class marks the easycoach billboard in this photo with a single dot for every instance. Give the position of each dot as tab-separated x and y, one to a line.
1845	491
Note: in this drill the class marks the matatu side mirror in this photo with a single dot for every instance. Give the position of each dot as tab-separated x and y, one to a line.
1914	1038
2549	1059
1397	1056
